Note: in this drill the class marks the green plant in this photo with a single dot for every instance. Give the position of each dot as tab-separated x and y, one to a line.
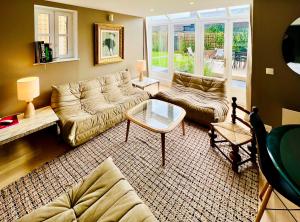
207	71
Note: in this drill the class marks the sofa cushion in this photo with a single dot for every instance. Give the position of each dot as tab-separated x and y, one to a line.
203	98
87	108
213	85
105	195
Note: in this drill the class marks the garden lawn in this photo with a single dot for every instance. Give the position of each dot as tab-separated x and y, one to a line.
182	61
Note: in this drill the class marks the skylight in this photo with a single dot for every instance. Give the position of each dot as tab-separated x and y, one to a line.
212	13
239	10
158	18
182	15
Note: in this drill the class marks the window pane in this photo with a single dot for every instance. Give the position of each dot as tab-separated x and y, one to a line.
240	48
239	10
212	13
160	48
158	18
44	38
62	24
63	46
184	48
43	24
214	62
182	15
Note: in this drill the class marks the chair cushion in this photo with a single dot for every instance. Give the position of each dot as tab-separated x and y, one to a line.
234	133
105	195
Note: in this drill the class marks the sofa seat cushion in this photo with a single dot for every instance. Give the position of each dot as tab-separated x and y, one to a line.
105	195
78	126
89	107
203	107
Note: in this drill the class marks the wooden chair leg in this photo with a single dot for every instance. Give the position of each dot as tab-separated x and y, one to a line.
235	157
264	203
212	136
252	149
263	191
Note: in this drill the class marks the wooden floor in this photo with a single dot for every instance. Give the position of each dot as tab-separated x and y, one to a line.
22	156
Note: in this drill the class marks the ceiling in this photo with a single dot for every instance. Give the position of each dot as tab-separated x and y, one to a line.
143	8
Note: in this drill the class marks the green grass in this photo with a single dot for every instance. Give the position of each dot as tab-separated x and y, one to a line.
182	61
160	59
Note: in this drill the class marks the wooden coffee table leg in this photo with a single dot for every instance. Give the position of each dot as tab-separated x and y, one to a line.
183	127
163	147
127	131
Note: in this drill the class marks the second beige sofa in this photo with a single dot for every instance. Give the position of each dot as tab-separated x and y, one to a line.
87	108
203	98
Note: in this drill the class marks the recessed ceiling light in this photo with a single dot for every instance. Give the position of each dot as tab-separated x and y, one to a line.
151	9
191	3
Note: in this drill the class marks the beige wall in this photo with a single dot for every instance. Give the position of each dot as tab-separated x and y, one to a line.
272	93
17	54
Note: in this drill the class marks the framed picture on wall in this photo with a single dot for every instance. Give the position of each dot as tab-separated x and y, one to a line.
109	43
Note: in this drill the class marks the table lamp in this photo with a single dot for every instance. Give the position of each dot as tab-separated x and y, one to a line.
140	68
28	89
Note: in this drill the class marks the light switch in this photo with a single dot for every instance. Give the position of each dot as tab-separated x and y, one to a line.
270	71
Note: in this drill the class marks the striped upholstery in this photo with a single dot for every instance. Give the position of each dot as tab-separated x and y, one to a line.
203	98
105	195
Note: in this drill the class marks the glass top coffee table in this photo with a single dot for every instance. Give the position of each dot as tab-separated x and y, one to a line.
157	116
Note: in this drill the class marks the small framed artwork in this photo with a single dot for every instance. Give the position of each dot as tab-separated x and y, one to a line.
109	43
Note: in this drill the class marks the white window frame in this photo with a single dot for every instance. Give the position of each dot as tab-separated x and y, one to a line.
72	30
199	22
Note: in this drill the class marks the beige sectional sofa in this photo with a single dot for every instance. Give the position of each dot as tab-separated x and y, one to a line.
203	98
105	195
87	108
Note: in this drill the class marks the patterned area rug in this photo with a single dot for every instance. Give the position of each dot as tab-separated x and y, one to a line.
197	184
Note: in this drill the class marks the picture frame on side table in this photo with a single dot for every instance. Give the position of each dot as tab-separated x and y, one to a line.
109	43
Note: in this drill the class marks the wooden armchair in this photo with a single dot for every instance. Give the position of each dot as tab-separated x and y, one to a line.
236	135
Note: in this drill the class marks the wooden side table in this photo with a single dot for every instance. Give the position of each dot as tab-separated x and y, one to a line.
145	82
43	118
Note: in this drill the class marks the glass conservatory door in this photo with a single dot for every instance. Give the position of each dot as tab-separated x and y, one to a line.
184	47
214	58
239	40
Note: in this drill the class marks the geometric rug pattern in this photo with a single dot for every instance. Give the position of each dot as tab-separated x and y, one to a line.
197	183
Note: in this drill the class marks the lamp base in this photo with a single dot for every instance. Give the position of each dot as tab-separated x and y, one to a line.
29	111
141	76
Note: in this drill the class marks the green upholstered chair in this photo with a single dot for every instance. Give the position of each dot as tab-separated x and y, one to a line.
270	153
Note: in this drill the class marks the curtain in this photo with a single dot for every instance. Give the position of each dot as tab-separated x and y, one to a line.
249	67
145	47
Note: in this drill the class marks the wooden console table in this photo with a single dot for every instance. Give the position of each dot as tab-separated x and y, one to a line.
42	119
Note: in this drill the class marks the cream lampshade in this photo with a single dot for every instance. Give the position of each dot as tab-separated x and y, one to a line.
140	68
28	89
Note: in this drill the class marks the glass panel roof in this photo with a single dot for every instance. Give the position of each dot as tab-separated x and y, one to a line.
239	10
158	18
183	15
212	13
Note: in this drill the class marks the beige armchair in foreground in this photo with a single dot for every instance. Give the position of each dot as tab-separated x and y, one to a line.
105	195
